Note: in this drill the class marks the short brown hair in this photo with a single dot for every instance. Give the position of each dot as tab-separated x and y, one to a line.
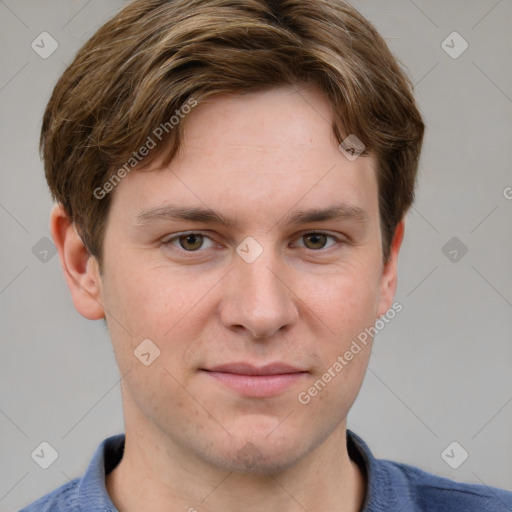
140	67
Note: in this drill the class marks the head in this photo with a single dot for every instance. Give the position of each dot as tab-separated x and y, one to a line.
236	108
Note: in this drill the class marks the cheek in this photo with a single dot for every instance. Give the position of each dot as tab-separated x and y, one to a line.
164	307
347	300
147	303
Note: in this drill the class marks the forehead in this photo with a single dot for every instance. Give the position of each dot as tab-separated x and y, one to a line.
255	155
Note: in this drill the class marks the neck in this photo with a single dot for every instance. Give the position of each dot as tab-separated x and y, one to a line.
170	480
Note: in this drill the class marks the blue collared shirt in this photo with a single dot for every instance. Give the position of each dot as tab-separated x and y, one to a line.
392	486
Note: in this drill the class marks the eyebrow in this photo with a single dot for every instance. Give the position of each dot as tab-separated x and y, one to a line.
172	212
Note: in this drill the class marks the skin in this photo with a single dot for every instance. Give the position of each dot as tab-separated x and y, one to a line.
258	157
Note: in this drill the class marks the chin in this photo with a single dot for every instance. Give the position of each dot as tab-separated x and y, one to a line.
259	454
265	463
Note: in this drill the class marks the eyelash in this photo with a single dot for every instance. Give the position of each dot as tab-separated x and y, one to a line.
169	241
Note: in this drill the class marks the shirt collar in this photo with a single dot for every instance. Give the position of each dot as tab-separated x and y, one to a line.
92	492
382	491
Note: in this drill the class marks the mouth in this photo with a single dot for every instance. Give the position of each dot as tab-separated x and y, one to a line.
259	382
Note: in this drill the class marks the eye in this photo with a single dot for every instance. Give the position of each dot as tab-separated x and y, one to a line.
317	240
193	242
189	242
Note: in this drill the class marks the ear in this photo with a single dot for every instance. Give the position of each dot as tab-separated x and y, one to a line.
389	274
80	268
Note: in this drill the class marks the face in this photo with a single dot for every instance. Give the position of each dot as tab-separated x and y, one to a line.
252	307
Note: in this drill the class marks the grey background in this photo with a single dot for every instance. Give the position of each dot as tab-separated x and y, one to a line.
440	371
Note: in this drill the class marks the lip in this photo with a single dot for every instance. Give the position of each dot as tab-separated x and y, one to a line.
242	368
254	381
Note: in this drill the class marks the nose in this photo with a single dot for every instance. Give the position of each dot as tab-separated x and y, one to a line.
258	298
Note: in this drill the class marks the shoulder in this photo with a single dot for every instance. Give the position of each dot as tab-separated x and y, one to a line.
88	492
396	486
429	492
62	499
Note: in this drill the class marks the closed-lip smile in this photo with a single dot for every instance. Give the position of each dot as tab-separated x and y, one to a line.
256	381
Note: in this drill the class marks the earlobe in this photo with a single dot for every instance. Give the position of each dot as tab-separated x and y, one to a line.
389	273
79	266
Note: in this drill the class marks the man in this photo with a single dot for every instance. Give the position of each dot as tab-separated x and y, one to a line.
231	180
